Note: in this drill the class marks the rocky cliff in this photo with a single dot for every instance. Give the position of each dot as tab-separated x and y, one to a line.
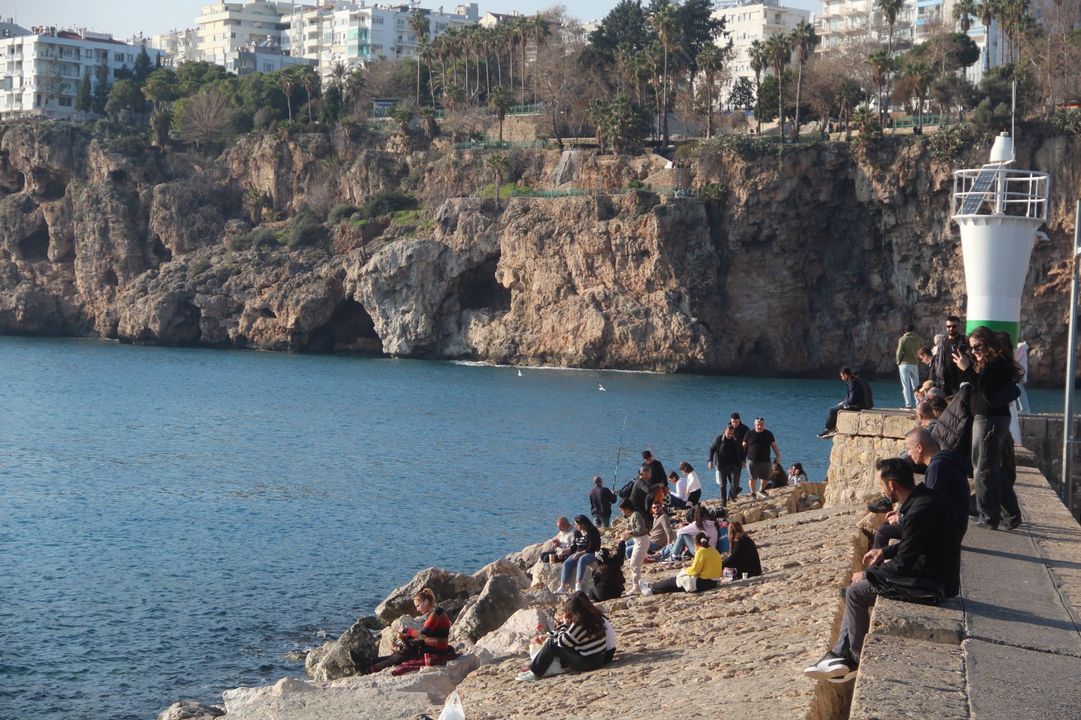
794	265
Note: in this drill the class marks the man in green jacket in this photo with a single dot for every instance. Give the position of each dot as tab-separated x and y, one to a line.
908	347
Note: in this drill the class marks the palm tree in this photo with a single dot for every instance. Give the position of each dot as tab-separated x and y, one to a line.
287	83
881	64
665	24
779	51
890	9
711	62
354	86
497	162
309	78
919	74
848	94
804	39
520	28
500	101
418	23
963	10
759	63
986	10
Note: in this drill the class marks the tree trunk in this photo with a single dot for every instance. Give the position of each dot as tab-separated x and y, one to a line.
799	83
664	105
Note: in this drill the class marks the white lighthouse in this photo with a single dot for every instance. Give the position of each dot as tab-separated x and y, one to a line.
999	210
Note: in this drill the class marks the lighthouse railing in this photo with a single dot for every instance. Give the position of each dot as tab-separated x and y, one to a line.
996	190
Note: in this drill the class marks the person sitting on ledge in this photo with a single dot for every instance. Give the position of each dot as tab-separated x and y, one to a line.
698	521
561	543
585	641
744	555
694	485
778	478
924	567
661	534
703	574
416	649
796	475
677	494
852	401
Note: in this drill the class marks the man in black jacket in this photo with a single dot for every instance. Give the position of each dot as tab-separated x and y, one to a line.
925	565
600	502
944	372
726	454
853	401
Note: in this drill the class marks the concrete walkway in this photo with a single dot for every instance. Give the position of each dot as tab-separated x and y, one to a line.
1008	648
1020	592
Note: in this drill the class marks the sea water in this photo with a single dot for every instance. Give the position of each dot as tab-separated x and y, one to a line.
176	522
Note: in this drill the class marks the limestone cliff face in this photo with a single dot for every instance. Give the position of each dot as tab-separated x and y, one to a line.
800	265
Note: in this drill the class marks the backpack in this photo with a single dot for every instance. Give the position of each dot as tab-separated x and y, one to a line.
625	491
953	431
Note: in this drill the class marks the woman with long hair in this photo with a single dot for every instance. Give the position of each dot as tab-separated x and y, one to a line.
584	641
587	541
694	484
994	376
744	556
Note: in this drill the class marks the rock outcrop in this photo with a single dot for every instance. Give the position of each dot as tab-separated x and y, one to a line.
348	655
791	265
500	598
444	583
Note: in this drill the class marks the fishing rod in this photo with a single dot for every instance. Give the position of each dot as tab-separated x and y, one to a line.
619	452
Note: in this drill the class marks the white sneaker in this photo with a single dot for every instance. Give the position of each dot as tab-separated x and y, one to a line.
647	589
577	587
526	676
832	667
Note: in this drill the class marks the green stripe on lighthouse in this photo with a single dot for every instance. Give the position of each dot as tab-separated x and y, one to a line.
1013	329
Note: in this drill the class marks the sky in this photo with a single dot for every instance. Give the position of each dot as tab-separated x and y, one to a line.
152	17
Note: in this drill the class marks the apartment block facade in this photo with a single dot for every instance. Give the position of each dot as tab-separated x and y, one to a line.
42	69
746	22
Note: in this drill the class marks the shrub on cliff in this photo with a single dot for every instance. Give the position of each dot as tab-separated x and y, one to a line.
951	142
384	203
1064	122
305	230
259	238
340	213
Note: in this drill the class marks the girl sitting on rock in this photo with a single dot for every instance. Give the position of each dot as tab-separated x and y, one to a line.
703	574
744	555
587	541
585	641
416	649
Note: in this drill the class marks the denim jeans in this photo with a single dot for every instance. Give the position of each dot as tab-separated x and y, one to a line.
728	479
577	564
859	598
910	378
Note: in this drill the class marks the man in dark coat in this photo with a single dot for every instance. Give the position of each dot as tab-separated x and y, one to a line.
944	372
600	502
925	566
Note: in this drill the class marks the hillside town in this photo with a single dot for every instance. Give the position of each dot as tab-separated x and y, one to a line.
57	71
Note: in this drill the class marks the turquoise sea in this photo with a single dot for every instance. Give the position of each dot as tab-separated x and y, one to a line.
174	522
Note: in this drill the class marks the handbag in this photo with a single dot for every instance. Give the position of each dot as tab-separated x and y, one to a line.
408	646
689	583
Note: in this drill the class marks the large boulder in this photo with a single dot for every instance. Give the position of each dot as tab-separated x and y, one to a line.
546	575
444	583
512	638
528	555
353	651
502	566
191	710
499	599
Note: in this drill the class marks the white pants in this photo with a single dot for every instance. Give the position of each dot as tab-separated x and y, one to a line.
910	379
638	558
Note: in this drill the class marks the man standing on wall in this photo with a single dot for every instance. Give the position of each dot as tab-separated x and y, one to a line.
757	444
908	348
944	372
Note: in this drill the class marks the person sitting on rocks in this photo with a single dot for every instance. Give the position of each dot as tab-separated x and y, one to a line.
677	494
584	641
743	558
703	574
587	541
694	484
924	567
561	543
698	520
415	649
778	478
638	531
661	534
796	476
608	580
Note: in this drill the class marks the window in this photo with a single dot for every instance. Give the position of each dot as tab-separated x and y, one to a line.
118	57
65	102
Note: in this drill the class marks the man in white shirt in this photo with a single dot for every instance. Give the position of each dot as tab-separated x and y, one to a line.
561	543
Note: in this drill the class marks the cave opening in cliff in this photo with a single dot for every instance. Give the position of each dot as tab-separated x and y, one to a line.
350	329
49	185
110	279
159	251
11	180
35	246
478	288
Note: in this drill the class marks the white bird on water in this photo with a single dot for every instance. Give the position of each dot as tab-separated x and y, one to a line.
601	387
519	373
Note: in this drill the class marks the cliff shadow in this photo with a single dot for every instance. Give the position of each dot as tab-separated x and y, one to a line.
478	288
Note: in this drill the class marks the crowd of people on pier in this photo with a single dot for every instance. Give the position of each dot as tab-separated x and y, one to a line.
961	390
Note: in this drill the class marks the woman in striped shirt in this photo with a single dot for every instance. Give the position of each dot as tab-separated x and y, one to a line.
430	644
585	641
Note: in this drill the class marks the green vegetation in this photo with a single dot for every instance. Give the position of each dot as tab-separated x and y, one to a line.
340	213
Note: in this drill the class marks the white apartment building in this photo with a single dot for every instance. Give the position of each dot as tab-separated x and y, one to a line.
223	29
746	22
42	70
353	33
177	46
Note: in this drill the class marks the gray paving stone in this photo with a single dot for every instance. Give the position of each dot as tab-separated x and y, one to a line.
1009	683
907	678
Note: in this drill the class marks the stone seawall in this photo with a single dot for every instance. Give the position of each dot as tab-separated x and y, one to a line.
1042	434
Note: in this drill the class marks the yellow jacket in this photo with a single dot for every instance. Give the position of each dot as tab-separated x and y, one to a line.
707	564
